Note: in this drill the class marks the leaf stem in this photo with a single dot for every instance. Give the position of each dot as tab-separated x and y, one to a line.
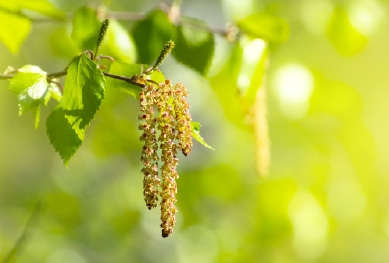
26	233
126	79
63	73
57	74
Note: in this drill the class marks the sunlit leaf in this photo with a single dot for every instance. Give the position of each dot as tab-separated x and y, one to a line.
343	35
224	84
156	76
194	46
43	7
30	86
14	30
196	134
151	34
270	28
86	27
53	92
83	92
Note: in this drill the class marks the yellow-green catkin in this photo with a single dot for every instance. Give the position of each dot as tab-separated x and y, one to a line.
165	123
149	156
183	118
167	126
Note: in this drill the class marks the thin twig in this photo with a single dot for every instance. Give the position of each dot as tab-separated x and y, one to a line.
57	74
135	16
63	73
20	242
126	79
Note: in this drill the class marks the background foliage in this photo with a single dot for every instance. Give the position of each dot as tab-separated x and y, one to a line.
325	197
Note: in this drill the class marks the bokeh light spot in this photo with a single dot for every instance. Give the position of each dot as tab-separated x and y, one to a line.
294	86
310	225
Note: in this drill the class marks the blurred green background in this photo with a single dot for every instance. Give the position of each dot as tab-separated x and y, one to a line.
325	198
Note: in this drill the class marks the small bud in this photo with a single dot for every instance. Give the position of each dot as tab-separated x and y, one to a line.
103	30
165	51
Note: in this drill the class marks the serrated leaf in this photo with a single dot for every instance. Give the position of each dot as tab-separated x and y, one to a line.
86	28
267	27
14	30
118	43
62	136
151	34
30	86
196	134
194	47
127	70
83	92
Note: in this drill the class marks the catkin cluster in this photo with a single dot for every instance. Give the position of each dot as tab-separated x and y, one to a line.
165	125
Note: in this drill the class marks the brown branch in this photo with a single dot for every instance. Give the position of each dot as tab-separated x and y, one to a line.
126	79
135	16
63	73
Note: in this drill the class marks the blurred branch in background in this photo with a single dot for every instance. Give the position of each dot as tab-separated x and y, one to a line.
25	235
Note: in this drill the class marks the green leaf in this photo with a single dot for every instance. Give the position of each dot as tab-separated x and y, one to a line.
14	30
83	92
196	134
118	43
30	86
43	7
270	28
343	35
194	46
151	34
126	70
86	28
62	136
156	76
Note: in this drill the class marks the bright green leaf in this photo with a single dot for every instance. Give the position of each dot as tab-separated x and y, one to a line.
151	34
196	134
125	70
343	35
269	28
14	30
156	76
86	28
83	92
43	7
30	86
194	47
62	135
118	43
